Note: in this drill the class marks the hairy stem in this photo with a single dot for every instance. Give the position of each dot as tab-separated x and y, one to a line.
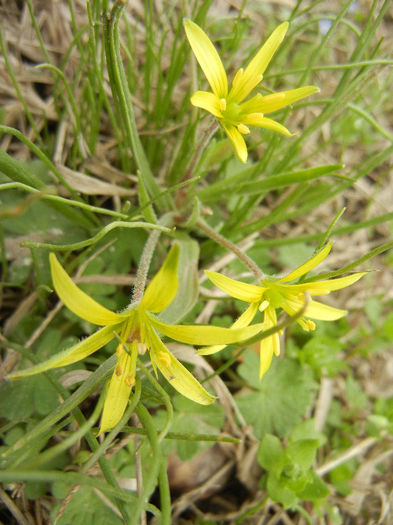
229	245
144	264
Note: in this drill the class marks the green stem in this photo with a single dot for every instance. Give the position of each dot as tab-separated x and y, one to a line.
185	437
164	396
63	200
96	238
165	494
229	245
150	480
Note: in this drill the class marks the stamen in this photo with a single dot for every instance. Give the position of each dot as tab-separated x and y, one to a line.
118	370
142	348
263	306
223	104
164	358
119	349
243	129
130	381
310	324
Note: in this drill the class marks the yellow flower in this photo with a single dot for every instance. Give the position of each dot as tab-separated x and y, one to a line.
135	328
277	293
227	105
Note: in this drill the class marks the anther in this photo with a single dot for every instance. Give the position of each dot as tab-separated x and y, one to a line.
243	129
164	358
130	381
223	104
263	306
310	324
142	348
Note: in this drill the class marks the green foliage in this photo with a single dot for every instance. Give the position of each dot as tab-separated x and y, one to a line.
85	506
277	403
290	478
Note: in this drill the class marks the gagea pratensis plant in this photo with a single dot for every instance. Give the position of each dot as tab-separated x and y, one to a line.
233	113
135	328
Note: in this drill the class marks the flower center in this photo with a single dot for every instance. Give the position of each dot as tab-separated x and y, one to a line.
273	294
231	114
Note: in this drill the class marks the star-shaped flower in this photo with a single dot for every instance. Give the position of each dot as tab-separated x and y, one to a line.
278	293
135	329
233	114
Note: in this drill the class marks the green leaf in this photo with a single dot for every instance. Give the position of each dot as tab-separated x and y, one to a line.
86	507
239	183
355	394
279	491
306	430
18	401
321	353
302	452
315	490
279	400
271	455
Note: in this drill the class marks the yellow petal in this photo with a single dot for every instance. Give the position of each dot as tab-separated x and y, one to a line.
237	141
252	74
163	287
315	310
275	101
207	101
206	335
325	287
174	372
308	265
120	385
243	291
244	320
257	119
208	58
77	301
71	355
266	350
323	312
270	345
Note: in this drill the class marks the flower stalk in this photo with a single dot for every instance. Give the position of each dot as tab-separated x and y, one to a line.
230	246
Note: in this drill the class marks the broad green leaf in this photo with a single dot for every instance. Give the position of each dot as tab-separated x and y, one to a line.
86	507
302	452
279	401
314	490
279	491
271	454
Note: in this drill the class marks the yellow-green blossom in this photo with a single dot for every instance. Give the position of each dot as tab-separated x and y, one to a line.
135	329
278	293
227	105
